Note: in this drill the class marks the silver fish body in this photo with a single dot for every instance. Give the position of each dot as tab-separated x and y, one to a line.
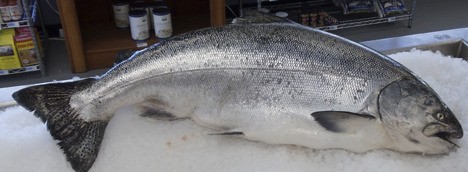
275	83
273	64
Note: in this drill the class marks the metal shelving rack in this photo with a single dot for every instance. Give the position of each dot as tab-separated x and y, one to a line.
30	10
369	21
342	24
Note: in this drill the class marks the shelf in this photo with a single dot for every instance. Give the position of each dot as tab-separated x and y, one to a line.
102	37
337	19
366	22
32	68
93	41
102	41
30	10
14	24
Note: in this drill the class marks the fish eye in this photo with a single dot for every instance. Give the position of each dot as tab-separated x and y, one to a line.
440	116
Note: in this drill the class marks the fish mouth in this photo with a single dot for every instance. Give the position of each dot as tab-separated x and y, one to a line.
444	132
448	136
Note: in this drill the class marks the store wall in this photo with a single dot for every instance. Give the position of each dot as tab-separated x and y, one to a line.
50	17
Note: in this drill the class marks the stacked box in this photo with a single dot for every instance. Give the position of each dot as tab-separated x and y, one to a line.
8	55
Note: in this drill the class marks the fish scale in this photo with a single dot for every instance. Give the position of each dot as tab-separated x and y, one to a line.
184	56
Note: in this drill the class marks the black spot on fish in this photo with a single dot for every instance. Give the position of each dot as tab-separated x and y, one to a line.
429	102
413	140
279	81
258	63
264	40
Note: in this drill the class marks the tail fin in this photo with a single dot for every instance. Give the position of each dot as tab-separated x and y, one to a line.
80	140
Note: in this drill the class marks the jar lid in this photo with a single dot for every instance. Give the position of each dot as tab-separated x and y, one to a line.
119	2
137	13
139	5
157	4
161	11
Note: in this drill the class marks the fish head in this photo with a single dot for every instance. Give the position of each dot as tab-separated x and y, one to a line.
416	119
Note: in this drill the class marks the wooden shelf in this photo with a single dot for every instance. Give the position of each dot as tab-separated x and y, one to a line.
93	41
102	41
103	37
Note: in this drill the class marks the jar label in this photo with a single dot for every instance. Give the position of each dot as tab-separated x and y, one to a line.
162	26
139	27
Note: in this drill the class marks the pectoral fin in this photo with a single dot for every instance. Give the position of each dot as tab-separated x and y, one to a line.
342	122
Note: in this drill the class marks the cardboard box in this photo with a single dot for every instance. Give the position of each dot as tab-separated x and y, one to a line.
25	48
8	54
8	32
22	30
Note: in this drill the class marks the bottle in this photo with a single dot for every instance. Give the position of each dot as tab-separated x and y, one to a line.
152	5
162	22
142	5
139	24
121	9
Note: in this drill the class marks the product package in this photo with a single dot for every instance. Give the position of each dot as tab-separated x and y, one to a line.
16	9
8	55
388	8
25	48
357	6
5	11
1	20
